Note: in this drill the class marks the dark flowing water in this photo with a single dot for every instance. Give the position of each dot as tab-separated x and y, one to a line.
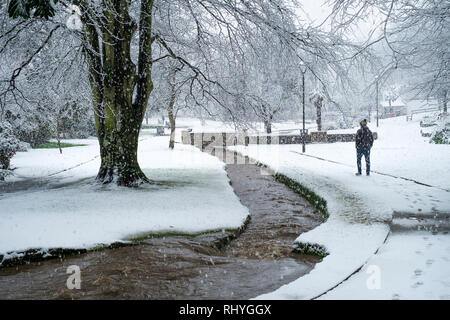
260	260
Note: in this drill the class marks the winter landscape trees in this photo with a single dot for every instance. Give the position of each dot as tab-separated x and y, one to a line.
242	77
415	33
238	60
117	39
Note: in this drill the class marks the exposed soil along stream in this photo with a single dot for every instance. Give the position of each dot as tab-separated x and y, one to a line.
181	267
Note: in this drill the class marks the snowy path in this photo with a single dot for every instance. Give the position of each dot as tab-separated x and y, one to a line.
400	150
361	208
372	171
359	221
410	265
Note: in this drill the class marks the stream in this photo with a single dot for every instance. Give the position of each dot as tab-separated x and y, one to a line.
258	261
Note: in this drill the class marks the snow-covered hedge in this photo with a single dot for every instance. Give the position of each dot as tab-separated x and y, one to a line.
9	145
441	135
34	133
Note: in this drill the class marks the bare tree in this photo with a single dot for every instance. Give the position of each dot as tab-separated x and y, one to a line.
121	86
123	39
417	34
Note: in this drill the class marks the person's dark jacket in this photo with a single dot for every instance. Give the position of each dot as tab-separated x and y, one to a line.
364	138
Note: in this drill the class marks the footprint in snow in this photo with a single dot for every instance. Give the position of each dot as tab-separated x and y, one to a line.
418	272
417	284
429	262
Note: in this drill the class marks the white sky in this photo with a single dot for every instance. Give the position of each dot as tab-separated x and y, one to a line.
316	11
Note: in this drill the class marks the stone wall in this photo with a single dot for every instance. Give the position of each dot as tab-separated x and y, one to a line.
319	137
297	139
220	139
342	137
345	137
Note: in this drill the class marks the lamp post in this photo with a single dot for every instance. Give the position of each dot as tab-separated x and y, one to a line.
376	98
303	70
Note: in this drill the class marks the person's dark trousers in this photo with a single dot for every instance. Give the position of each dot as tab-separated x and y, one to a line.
359	154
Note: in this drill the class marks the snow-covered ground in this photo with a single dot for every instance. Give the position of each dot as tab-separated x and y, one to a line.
361	209
192	195
41	163
400	150
410	265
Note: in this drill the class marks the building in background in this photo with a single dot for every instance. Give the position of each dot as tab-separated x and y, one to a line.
393	108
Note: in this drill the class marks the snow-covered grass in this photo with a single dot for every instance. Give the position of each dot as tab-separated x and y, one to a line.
54	145
40	163
191	194
360	207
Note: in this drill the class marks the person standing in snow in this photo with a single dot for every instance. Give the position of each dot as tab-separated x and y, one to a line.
363	143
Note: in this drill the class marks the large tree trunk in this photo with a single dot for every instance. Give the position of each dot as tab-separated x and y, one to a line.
119	158
113	80
122	121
